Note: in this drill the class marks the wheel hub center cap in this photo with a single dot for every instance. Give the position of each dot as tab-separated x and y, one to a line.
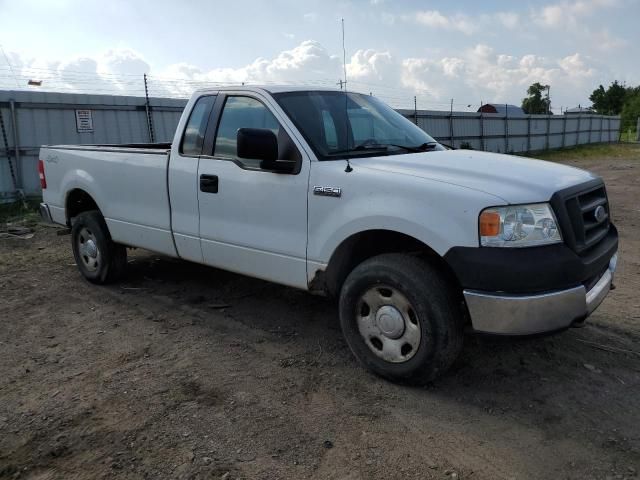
390	321
90	249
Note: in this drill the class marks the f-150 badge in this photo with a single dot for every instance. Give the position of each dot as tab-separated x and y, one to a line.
327	191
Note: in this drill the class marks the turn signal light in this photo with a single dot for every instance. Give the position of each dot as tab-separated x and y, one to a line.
489	224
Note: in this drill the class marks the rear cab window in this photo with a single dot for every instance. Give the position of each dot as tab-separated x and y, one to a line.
193	137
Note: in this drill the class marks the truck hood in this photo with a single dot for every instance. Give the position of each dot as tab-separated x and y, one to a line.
513	179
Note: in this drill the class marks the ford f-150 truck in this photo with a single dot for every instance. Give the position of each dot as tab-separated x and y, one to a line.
336	193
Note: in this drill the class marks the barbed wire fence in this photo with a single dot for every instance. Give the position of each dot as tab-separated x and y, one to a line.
454	121
71	81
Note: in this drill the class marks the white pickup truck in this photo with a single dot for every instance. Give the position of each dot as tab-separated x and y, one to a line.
336	193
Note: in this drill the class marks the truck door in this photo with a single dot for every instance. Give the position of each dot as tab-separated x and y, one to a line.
252	221
183	170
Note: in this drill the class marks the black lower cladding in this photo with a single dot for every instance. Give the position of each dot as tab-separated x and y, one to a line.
530	270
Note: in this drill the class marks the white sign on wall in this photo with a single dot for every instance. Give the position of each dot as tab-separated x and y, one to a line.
84	121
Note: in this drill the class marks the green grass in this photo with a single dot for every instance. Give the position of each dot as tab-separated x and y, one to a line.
18	211
628	135
594	151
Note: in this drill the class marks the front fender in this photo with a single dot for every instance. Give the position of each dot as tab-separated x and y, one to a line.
438	214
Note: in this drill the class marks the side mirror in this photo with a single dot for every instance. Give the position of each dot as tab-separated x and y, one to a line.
260	144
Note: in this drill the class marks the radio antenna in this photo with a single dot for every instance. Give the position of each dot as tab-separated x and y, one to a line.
346	98
344	57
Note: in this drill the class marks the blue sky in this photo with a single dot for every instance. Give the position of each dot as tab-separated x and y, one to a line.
470	51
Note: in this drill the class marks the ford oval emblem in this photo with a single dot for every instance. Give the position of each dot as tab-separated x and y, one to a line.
600	214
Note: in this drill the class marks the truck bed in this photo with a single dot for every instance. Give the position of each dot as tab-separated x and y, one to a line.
111	147
128	181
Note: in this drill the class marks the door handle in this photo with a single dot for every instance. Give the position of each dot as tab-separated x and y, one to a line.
209	183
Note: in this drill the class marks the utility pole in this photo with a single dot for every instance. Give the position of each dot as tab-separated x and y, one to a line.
451	122
506	128
548	98
482	146
415	109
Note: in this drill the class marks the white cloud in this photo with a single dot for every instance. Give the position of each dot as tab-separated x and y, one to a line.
367	65
435	19
123	60
551	16
311	16
421	74
475	73
508	19
452	67
479	73
604	41
575	65
466	24
505	60
309	61
570	13
114	71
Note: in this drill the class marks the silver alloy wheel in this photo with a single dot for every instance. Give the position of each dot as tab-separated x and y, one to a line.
388	324
88	250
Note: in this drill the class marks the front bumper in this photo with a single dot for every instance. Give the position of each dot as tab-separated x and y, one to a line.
521	314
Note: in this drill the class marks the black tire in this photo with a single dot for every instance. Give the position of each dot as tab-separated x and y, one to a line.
433	308
99	259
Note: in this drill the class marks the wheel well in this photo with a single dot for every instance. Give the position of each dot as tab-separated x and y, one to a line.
78	201
364	245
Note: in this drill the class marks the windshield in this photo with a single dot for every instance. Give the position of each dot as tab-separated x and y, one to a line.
370	126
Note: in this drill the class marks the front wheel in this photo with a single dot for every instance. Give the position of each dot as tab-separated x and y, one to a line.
401	318
99	259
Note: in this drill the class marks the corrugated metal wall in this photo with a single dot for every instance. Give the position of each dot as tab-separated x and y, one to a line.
47	118
497	132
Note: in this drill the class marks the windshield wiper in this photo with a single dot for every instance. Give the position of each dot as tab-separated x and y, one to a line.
362	148
420	148
385	146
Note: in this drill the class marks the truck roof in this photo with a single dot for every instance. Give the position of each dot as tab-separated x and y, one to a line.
270	88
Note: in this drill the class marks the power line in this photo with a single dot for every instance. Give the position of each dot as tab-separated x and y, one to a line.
9	63
160	86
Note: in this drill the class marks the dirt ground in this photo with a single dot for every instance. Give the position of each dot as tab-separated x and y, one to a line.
183	371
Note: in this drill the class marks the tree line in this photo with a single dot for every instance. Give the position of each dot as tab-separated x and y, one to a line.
617	99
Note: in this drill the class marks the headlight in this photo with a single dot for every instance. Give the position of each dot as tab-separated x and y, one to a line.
519	226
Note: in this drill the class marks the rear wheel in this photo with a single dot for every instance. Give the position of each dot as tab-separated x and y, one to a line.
401	318
99	259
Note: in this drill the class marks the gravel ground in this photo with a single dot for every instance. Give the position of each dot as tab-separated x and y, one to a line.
183	371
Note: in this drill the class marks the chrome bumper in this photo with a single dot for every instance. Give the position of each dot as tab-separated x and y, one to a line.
506	314
45	213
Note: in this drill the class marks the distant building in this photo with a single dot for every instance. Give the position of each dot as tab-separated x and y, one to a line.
510	110
577	111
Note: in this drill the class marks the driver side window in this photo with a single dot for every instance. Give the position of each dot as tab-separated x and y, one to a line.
246	112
